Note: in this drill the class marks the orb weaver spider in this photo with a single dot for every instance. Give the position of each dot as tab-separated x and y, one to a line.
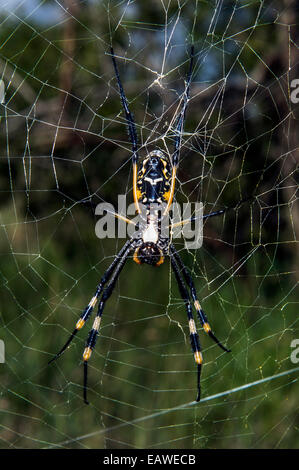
153	183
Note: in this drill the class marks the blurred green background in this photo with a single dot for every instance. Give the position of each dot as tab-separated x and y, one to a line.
64	143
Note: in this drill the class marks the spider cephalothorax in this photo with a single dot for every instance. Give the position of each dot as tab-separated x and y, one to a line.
153	185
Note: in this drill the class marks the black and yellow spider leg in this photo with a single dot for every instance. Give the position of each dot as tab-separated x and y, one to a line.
201	315
132	131
194	338
193	219
88	310
212	214
223	211
215	213
179	130
92	336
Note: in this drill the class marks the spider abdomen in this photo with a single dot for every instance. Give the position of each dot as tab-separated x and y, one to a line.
153	182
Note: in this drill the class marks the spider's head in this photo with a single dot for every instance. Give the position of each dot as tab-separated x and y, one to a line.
156	156
156	161
149	253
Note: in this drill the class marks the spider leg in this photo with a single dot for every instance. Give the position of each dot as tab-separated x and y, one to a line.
194	338
192	219
92	336
234	208
178	132
212	214
131	128
201	315
88	310
215	213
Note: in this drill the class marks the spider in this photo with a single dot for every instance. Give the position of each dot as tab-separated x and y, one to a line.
153	183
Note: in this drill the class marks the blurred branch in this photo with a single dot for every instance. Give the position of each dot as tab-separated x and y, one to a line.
68	47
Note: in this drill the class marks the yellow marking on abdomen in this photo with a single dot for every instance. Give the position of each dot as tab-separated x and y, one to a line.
166	195
197	305
206	327
171	192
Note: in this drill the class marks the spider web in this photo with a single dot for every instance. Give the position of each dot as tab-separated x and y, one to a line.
64	143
